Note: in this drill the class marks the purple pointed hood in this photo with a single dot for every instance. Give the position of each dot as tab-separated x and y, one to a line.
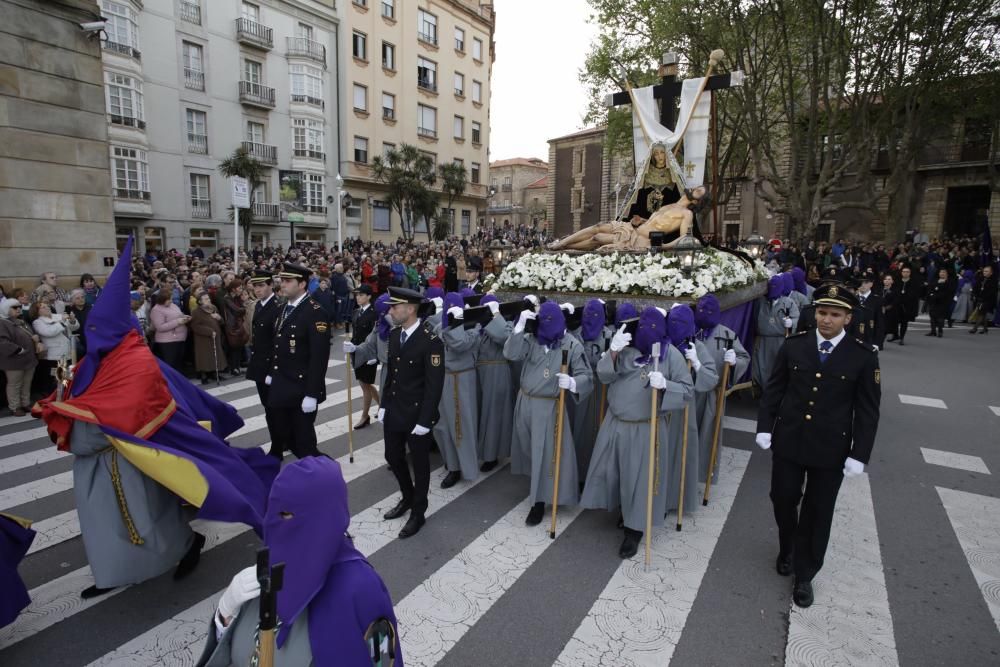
775	286
551	324
593	319
308	536
652	329
451	300
680	326
108	322
707	314
467	291
433	293
626	311
787	284
381	310
799	278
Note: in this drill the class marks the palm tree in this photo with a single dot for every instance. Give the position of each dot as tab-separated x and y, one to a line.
241	163
409	175
453	186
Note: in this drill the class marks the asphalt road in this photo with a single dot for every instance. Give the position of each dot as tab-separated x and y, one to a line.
912	576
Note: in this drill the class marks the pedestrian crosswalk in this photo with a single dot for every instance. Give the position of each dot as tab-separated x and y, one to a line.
475	562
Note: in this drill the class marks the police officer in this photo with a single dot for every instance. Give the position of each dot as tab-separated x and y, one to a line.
265	314
872	303
818	415
409	407
297	378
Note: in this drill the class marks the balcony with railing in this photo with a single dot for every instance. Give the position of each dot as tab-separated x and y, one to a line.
312	208
308	99
427	132
506	187
309	154
131	195
264	212
427	84
197	143
261	152
194	79
190	12
428	37
256	95
122	50
126	121
254	34
201	209
303	47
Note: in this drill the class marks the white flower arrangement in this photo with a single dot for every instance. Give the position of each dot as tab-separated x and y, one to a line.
626	273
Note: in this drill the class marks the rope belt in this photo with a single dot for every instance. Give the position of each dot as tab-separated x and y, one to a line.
544	398
116	481
491	363
458	407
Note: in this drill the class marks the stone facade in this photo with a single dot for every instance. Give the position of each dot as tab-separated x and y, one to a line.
55	187
517	198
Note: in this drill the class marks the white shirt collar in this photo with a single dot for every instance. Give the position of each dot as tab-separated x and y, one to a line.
295	303
409	331
264	302
835	340
365	307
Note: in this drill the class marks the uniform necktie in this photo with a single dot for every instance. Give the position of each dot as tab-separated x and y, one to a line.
824	351
402	338
288	309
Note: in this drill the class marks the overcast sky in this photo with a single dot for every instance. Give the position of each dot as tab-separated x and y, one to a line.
541	46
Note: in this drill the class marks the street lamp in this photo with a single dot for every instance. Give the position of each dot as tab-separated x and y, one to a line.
497	249
755	244
687	250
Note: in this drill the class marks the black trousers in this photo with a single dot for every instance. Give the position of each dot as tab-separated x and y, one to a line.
172	354
803	532
299	429
903	324
278	444
937	324
413	489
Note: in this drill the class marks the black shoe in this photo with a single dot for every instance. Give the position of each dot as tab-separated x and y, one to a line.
191	558
94	591
940	334
630	545
412	527
205	380
401	508
488	466
451	479
932	333
891	339
783	565
951	323
364	422
535	515
972	330
901	341
802	593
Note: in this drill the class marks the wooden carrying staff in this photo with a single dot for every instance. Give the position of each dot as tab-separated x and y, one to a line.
603	405
271	580
560	406
350	410
720	398
684	455
653	424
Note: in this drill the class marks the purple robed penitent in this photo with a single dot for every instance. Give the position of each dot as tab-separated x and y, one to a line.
551	324
592	323
14	542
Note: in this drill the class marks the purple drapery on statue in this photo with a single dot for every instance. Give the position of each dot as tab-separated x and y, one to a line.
740	319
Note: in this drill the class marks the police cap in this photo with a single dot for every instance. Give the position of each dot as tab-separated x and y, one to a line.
260	276
399	295
295	272
834	295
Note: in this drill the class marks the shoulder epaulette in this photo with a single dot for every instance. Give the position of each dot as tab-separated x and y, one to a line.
867	346
799	333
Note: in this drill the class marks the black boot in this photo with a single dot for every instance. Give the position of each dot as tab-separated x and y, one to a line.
783	565
630	545
94	591
191	558
488	466
535	515
802	593
451	479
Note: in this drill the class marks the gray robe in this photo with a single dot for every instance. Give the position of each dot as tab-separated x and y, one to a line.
156	513
800	300
457	427
770	334
704	380
587	413
705	402
496	400
533	445
619	467
963	304
374	348
236	646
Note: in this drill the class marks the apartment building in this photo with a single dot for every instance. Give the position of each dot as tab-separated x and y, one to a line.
418	72
517	189
189	81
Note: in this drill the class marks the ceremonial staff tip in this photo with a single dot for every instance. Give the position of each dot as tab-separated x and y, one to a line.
716	56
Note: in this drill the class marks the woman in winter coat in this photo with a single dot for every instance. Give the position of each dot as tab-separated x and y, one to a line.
206	324
54	333
18	359
939	296
170	329
234	316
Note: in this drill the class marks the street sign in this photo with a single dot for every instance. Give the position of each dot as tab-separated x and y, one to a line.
241	192
296	217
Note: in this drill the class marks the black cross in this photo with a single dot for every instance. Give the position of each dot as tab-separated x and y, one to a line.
668	91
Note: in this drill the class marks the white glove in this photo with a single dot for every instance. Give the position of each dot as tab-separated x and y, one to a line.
523	319
657	381
764	440
456	313
532	299
420	430
730	357
853	467
874	348
268	380
620	340
567	382
494	307
787	322
380	416
349	347
371	362
438	303
568	307
308	404
243	588
691	354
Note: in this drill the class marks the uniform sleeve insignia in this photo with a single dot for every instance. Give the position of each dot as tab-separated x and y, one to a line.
321	327
316	306
435	360
878	376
